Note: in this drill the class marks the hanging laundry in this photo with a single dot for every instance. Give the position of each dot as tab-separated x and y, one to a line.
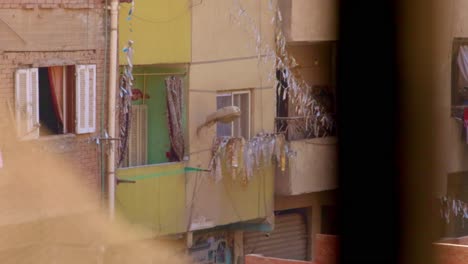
241	159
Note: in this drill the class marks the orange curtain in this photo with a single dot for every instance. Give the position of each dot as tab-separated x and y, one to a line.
56	89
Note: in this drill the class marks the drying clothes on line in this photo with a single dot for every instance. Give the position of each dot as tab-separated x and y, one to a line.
240	159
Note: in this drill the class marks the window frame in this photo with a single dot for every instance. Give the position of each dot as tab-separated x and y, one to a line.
456	109
67	130
249	114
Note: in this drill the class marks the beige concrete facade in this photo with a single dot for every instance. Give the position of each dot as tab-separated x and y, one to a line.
310	20
313	168
224	59
451	148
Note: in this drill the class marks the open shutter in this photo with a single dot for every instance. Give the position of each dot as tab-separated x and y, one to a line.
92	98
85	99
27	103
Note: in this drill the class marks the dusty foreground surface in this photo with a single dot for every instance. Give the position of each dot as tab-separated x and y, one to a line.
48	215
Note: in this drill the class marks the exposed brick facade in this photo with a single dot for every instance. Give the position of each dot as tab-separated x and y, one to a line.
78	149
327	252
255	259
72	4
326	249
450	253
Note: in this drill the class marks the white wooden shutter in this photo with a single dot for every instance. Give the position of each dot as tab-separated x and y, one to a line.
137	144
92	98
27	103
85	99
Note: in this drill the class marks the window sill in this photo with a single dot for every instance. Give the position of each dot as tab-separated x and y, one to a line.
56	137
154	165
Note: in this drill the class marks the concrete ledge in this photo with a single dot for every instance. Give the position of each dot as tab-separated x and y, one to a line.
450	253
258	259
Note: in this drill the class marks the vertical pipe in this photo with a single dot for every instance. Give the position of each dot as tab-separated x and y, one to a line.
112	106
103	100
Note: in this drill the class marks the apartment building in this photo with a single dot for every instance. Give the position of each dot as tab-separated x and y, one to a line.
52	65
219	54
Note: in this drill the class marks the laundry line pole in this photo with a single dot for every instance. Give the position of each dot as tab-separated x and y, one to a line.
112	106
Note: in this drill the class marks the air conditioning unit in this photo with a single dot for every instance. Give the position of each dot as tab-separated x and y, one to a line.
138	136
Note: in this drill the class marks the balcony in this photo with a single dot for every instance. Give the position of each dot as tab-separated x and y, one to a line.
312	166
309	20
152	198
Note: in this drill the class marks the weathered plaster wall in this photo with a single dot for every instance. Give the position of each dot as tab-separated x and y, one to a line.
78	39
315	62
451	150
313	168
450	253
224	59
310	20
39	30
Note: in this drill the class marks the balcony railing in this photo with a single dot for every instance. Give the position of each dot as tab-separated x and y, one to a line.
300	127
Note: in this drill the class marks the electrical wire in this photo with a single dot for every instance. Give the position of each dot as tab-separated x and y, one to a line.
153	20
103	97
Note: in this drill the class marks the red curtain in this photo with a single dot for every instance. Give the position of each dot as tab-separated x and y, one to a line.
56	89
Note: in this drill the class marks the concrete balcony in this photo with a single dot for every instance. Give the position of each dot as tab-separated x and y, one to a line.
309	20
151	198
311	168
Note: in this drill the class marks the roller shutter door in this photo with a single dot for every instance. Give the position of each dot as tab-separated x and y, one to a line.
288	240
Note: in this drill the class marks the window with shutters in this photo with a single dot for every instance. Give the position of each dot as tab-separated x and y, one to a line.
241	126
55	100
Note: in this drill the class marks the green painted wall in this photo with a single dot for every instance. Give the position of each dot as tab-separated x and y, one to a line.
156	201
158	132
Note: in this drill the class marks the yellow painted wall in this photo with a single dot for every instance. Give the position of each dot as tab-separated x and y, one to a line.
161	31
224	59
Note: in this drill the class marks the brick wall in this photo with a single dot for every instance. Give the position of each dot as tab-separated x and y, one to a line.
256	259
72	4
80	150
326	249
455	240
450	253
327	252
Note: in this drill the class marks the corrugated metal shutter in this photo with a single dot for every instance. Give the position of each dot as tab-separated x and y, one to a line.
288	240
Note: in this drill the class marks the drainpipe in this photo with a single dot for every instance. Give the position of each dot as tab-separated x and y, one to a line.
112	106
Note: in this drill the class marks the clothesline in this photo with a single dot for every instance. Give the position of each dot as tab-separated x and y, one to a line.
159	73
